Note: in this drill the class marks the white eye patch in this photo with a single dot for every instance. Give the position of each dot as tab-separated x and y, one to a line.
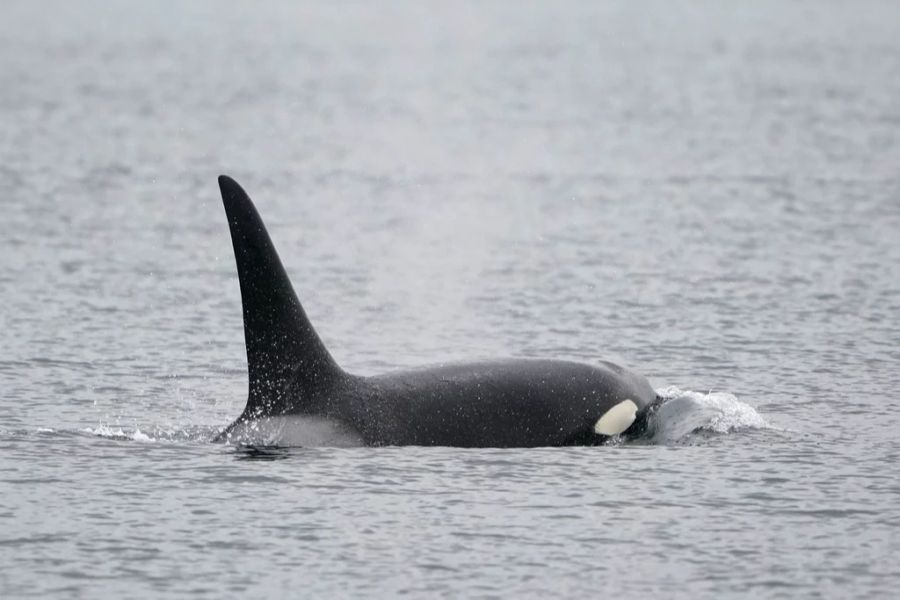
617	419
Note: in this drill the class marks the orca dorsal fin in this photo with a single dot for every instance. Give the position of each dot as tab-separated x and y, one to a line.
285	355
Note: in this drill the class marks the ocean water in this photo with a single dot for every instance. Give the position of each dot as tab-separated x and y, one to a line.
706	192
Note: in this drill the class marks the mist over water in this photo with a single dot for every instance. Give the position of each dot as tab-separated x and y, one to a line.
708	194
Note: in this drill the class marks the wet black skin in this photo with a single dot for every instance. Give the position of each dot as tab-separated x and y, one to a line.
496	403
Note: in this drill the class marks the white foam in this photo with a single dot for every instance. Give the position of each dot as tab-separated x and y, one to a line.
118	433
685	412
138	436
294	430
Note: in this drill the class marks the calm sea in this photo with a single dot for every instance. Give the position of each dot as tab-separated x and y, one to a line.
707	192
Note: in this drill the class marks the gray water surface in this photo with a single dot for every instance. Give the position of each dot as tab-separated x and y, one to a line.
709	194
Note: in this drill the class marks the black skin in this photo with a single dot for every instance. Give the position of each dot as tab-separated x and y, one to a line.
502	403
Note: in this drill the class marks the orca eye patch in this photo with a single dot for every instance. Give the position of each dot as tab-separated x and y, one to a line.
617	419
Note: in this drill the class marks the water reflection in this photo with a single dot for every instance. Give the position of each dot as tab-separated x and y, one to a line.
265	453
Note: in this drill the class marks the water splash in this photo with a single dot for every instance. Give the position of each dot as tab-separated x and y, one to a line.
686	412
119	433
134	433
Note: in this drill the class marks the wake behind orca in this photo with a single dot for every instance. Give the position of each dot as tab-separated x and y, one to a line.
499	403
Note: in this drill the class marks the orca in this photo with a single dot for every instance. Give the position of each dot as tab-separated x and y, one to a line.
298	395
